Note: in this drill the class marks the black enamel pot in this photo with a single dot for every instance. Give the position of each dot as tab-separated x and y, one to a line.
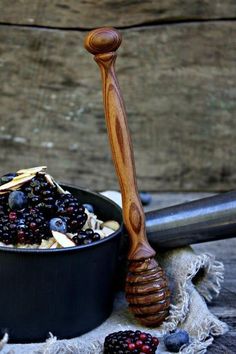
65	291
71	291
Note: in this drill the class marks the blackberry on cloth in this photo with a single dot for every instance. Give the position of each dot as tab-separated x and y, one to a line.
125	342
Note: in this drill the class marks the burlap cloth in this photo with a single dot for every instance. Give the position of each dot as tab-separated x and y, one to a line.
193	279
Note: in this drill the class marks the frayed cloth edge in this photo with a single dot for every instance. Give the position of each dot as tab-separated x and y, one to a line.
211	326
214	327
54	346
197	347
4	340
209	287
211	283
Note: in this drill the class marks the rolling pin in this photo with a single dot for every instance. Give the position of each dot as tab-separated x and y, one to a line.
208	219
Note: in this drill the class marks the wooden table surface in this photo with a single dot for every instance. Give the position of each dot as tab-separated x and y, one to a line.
224	307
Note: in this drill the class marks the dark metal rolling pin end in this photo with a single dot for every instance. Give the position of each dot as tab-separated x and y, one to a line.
202	220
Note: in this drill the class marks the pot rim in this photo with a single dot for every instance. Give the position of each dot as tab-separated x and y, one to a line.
73	248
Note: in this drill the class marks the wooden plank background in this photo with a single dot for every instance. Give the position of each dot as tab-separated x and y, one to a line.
177	72
93	13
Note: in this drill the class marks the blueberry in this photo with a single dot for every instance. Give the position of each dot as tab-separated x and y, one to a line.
174	341
145	197
21	222
17	200
96	237
7	178
57	224
89	207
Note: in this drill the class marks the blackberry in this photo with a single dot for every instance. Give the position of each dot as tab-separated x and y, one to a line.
25	214
6	235
4	202
124	342
69	209
24	227
86	237
35	227
41	194
52	203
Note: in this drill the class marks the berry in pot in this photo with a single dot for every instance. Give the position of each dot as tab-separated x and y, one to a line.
89	207
21	227
7	178
53	204
35	210
41	194
86	237
58	224
17	200
125	342
3	203
68	206
175	340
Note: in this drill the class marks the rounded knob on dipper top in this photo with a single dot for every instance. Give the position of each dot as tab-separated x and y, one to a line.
102	40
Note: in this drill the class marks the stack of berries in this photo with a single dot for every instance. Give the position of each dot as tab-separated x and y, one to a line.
33	206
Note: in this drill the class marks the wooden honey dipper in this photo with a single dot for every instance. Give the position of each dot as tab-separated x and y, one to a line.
146	285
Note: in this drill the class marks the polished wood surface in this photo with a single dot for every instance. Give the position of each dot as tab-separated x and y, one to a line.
144	273
147	292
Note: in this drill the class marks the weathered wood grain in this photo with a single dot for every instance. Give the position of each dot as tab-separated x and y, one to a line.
93	13
224	306
178	82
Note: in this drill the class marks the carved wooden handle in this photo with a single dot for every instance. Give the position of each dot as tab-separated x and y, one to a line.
103	43
146	284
